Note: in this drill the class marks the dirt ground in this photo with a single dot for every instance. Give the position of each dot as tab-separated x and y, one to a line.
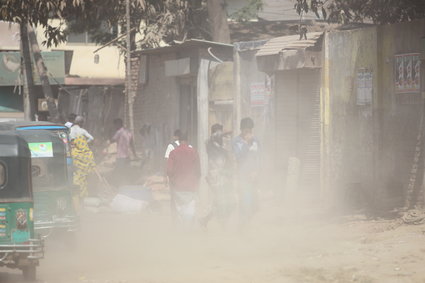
280	245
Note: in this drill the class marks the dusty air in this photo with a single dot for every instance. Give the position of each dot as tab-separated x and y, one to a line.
231	141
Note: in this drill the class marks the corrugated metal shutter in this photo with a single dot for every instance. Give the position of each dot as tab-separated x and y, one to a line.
309	126
285	119
297	120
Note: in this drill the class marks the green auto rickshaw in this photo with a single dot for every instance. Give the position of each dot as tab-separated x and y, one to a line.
20	247
54	210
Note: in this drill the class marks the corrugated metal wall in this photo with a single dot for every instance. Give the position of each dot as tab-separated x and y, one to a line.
99	105
297	120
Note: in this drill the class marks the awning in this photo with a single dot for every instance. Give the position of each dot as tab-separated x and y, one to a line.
93	81
8	109
291	52
191	43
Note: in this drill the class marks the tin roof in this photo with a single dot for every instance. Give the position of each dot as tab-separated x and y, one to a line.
249	45
191	43
291	42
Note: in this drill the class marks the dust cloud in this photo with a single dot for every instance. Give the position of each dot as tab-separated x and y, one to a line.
293	237
282	243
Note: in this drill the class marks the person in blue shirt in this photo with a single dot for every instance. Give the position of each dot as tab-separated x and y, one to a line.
246	152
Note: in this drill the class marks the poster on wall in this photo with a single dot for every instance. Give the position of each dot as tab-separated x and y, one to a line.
260	92
364	87
10	67
407	73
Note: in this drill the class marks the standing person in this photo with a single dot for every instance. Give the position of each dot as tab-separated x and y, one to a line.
83	158
125	146
71	119
184	172
78	130
173	144
148	144
219	176
245	149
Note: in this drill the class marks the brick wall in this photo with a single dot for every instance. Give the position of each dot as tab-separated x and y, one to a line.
156	104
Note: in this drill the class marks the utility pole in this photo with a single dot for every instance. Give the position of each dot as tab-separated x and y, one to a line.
29	109
42	72
129	95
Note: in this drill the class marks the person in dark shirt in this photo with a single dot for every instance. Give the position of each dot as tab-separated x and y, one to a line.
219	177
184	173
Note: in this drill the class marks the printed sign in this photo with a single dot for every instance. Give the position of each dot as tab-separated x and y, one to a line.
10	67
260	93
407	73
41	149
364	87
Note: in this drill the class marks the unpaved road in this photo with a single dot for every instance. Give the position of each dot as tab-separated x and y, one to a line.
278	247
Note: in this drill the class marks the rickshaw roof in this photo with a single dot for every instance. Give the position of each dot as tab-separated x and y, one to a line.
12	145
31	125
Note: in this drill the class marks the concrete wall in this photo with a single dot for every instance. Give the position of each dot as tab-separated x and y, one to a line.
221	92
349	133
399	114
368	149
157	104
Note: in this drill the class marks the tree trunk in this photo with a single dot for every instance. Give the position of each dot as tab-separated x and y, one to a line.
29	90
218	21
42	72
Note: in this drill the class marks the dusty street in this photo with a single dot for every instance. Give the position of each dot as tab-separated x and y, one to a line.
279	247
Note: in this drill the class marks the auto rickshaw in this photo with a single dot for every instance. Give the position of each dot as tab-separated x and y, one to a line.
54	209
20	247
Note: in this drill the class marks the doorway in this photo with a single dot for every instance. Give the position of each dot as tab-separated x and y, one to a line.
188	122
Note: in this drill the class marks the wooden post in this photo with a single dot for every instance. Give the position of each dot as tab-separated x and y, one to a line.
237	101
202	126
326	194
129	93
42	72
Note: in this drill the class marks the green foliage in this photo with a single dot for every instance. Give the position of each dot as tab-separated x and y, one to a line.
378	11
39	13
248	12
154	20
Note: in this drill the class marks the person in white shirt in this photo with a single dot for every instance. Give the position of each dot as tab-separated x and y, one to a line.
174	144
77	130
71	119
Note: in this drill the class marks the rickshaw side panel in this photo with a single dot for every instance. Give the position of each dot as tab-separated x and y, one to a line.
16	222
55	209
19	245
53	203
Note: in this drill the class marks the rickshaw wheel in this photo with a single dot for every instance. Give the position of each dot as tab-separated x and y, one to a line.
30	272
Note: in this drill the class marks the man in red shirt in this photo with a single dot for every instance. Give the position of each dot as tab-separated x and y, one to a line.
184	172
